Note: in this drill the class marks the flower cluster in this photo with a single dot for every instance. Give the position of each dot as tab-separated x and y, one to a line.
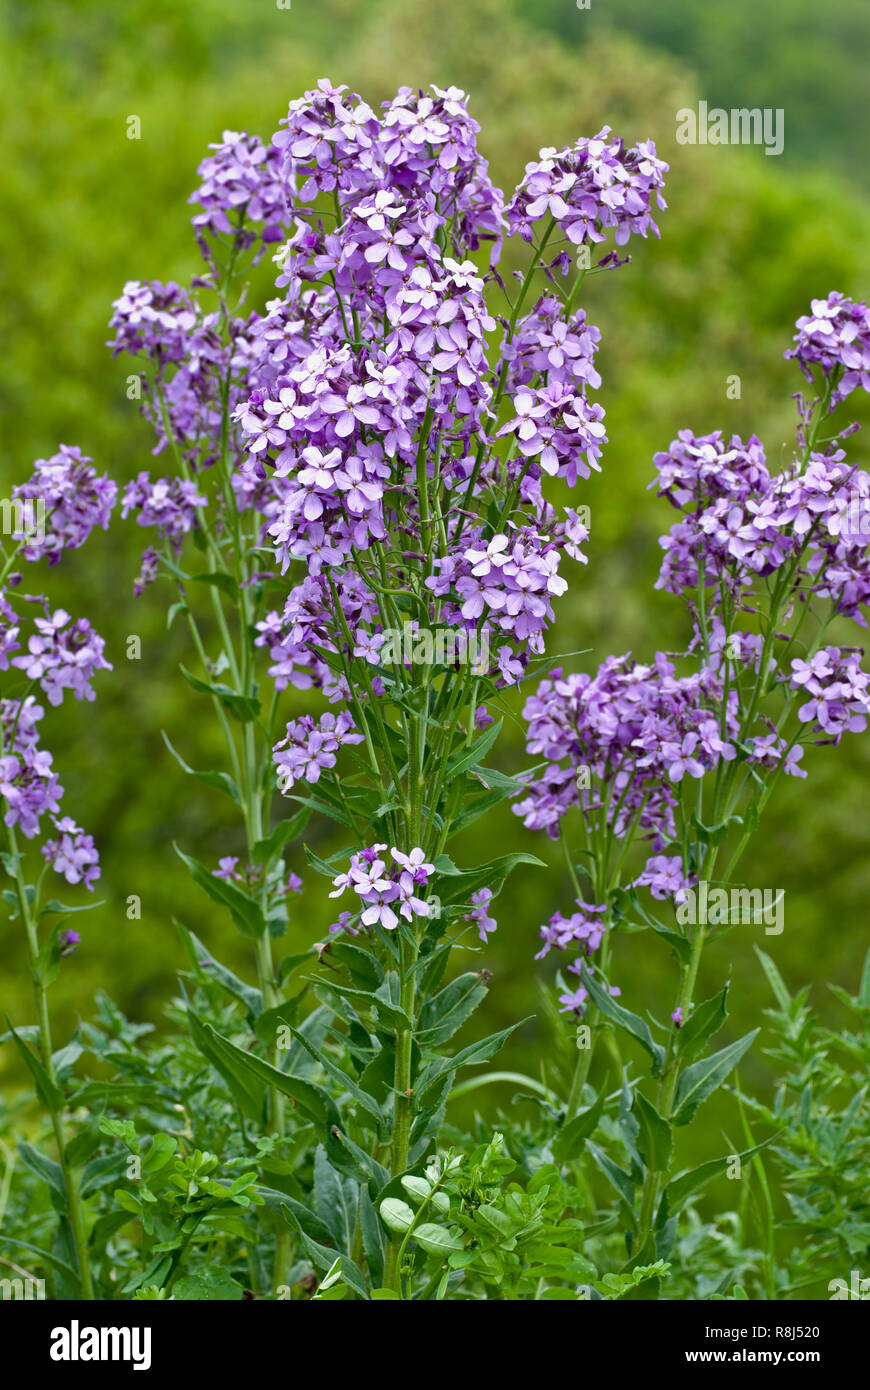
636	731
589	188
310	746
838	690
744	524
479	915
57	509
169	504
748	541
73	854
72	500
665	877
558	351
835	335
241	179
63	655
385	890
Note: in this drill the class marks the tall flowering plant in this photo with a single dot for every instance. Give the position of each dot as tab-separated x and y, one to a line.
360	472
657	774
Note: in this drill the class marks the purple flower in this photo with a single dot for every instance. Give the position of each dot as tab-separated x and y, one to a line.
589	188
63	655
73	854
381	889
835	335
663	875
308	747
241	180
479	914
71	500
227	868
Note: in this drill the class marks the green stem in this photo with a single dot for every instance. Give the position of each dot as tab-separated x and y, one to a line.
73	1200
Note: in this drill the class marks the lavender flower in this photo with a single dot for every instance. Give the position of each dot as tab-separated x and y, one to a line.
73	854
75	500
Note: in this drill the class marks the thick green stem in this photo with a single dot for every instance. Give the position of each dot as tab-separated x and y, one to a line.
402	1097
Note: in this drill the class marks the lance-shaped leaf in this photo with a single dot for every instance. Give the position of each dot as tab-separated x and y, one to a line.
632	1024
679	1189
444	1014
219	780
570	1138
702	1078
246	994
285	831
702	1023
457	885
250	1069
362	1098
245	708
323	1259
246	1088
50	1095
654	1138
246	913
445	1067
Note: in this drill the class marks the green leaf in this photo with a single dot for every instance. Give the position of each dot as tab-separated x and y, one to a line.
632	1024
714	834
245	708
374	1244
388	1012
245	912
221	580
702	1078
44	1167
246	994
362	1098
262	851
654	1139
53	1260
173	612
620	1180
207	1283
681	947
681	1187
161	1152
467	757
437	1240
282	1016
775	980
335	1200
296	1214
220	780
444	1014
364	968
446	1067
461	883
396	1214
287	964
570	1138
314	1100
50	1095
246	1087
702	1023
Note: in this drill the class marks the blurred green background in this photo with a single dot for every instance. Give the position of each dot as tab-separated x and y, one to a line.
748	240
